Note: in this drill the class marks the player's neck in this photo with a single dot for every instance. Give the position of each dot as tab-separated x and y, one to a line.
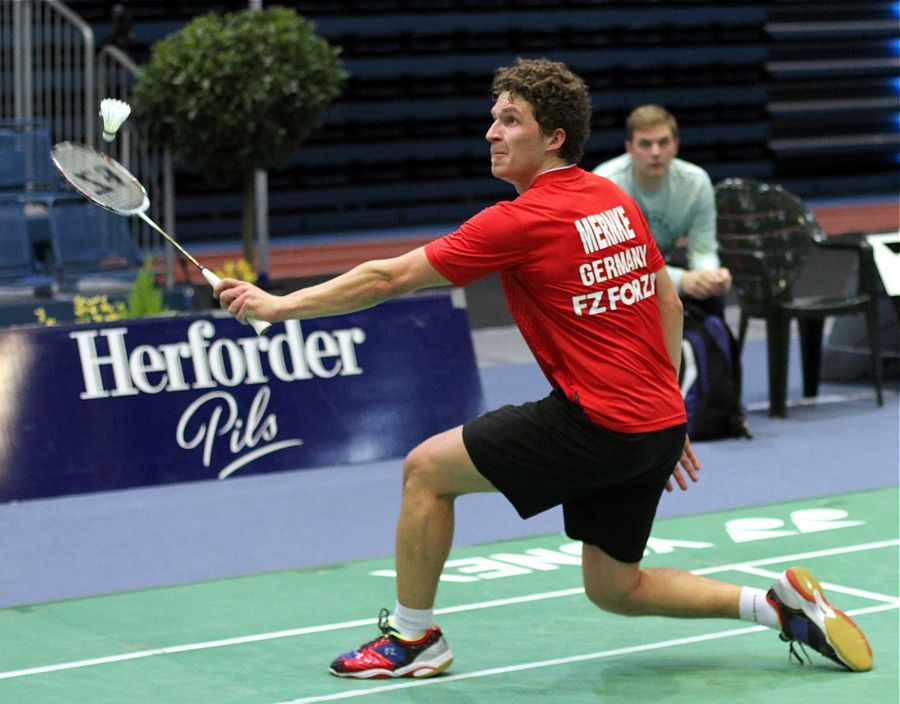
549	165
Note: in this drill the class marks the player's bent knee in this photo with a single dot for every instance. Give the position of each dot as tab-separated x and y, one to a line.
610	585
607	600
414	465
421	469
441	466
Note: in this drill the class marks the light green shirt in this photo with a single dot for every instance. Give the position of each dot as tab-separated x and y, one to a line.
684	206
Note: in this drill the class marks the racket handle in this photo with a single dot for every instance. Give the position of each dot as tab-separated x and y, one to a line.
260	326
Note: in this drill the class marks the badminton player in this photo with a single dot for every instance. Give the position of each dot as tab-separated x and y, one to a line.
590	293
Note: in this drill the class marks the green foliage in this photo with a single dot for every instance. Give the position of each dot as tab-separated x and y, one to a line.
145	298
236	92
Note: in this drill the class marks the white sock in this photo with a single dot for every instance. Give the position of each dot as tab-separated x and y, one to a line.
411	623
755	608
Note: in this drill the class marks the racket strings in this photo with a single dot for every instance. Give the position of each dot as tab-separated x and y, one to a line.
102	180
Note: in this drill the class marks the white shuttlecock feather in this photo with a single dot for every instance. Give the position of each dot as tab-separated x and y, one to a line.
114	113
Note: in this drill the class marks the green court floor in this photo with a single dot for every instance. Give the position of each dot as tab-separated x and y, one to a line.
514	614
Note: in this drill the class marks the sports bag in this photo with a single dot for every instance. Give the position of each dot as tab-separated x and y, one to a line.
710	377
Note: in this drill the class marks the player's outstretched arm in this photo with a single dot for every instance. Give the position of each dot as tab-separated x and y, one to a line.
362	287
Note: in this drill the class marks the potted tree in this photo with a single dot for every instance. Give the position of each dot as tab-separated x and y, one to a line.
233	93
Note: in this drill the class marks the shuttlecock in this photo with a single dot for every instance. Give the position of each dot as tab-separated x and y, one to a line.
114	113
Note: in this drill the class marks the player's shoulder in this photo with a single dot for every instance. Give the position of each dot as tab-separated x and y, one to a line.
499	216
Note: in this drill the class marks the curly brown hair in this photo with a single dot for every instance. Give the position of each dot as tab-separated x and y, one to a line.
559	98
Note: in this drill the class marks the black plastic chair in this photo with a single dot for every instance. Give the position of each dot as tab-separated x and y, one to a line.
765	234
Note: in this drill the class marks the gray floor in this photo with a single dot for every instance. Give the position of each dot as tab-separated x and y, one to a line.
504	344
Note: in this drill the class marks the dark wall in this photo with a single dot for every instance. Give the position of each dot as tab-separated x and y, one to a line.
753	85
833	95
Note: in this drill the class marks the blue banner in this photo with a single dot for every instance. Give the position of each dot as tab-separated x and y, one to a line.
141	402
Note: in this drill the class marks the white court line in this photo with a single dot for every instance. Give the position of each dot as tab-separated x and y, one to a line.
290	633
552	663
828	586
829	552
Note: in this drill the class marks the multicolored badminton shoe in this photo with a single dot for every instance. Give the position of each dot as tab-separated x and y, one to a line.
807	617
389	655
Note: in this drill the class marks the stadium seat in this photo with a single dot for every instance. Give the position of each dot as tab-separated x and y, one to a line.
92	249
20	273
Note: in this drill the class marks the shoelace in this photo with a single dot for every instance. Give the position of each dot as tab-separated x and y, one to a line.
383	617
793	646
383	621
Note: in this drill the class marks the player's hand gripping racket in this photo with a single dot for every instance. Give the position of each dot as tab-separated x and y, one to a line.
104	181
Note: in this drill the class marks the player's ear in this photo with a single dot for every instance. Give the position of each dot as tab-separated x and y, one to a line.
557	139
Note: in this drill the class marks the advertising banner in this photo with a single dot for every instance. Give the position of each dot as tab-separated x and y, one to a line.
93	407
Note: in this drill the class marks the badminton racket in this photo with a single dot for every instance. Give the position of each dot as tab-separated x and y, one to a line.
105	182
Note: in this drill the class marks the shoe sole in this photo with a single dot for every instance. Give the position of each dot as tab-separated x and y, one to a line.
417	670
848	641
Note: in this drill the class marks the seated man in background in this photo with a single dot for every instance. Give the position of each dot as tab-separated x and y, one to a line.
677	200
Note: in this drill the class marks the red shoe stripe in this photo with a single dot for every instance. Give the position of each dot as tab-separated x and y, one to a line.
799	586
781	616
419	641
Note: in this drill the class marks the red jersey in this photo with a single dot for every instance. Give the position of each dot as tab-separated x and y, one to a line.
577	263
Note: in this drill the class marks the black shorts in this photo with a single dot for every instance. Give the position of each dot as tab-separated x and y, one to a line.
548	452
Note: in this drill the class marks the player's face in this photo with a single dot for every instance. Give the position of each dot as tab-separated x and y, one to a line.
652	151
519	150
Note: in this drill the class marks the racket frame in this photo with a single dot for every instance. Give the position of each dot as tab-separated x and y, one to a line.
130	181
